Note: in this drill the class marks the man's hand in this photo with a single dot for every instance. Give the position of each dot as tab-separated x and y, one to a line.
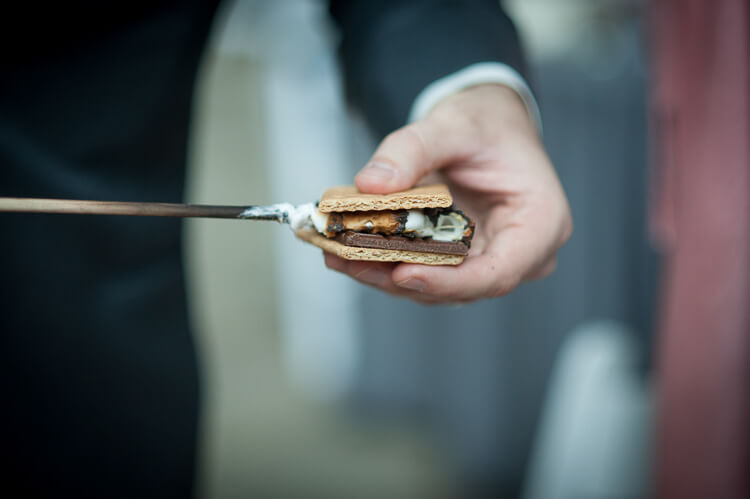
482	143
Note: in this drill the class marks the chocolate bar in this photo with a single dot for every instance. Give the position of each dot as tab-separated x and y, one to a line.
376	241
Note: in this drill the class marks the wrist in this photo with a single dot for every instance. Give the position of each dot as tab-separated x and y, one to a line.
489	108
474	75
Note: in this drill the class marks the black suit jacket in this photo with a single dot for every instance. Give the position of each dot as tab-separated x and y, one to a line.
97	365
392	49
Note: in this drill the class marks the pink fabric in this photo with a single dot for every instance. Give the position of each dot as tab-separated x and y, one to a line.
701	219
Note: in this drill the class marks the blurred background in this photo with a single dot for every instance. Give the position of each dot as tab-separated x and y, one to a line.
318	387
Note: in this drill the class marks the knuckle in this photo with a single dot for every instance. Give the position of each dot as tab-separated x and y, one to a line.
550	267
567	229
393	137
415	140
545	269
408	150
502	287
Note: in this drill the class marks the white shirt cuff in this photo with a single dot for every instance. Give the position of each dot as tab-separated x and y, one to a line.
476	74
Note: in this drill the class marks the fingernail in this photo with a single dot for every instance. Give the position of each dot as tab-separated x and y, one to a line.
381	172
412	283
371	276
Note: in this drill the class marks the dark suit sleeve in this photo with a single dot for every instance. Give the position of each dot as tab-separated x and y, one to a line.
392	49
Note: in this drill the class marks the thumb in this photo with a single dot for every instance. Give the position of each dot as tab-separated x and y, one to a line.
403	158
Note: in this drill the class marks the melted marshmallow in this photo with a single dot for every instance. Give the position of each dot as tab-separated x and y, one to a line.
449	226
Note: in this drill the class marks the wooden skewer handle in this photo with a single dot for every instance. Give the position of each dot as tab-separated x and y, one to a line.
71	206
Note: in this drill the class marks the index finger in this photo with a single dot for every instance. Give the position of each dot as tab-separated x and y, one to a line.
508	257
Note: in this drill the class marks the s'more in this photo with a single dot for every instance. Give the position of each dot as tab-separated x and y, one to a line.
419	225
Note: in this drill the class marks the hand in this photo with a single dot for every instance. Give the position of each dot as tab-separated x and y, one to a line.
482	143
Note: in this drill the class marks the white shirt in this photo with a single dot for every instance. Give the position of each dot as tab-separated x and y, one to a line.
476	74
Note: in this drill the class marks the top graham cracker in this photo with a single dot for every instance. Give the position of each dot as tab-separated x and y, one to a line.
348	198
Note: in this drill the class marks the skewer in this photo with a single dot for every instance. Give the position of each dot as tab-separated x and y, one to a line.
80	207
